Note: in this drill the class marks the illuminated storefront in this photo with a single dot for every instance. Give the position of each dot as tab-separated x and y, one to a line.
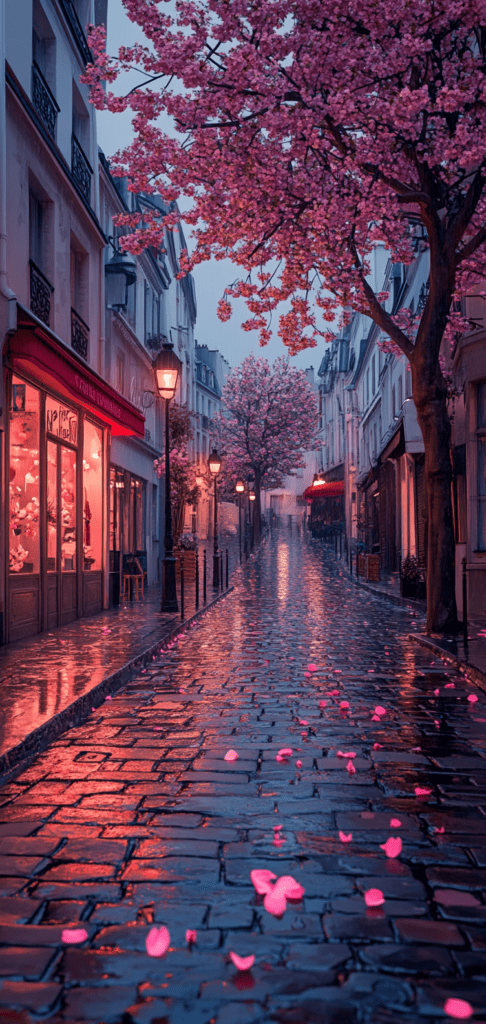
61	420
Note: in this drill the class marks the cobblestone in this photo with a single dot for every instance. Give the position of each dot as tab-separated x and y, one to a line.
136	819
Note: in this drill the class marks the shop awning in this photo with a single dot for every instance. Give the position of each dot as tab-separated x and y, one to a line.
333	489
33	350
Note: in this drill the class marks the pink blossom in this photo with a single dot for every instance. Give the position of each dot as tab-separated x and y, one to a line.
374	898
242	963
157	941
460	1009
392	847
74	936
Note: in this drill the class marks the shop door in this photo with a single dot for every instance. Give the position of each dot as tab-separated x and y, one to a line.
24	617
60	600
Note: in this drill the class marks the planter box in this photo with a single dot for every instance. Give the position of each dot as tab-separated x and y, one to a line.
369	567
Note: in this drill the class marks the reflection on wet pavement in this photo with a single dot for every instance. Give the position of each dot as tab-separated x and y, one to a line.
136	820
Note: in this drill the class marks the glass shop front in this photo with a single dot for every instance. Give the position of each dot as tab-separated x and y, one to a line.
58	499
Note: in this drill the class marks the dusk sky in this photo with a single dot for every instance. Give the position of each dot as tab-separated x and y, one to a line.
114	131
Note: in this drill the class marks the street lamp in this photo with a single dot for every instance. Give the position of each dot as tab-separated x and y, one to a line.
240	487
214	463
120	273
166	369
252	498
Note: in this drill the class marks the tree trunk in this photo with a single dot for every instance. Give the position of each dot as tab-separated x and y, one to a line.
430	397
257	511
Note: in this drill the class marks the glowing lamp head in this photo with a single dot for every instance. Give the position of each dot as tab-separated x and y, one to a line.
214	462
240	487
167	367
252	496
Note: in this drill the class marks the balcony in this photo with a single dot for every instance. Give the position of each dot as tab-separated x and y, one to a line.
77	30
79	335
40	293
43	101
81	169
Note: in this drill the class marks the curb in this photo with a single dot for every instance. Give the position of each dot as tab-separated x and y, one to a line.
471	671
21	756
400	602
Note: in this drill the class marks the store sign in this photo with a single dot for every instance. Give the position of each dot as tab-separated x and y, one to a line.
97	397
61	421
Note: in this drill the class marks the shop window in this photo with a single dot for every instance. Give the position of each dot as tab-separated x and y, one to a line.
92	496
24	479
68	509
52	507
61	421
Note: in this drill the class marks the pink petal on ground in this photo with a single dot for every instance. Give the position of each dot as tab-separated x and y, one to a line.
377	746
335	693
375	718
395	823
436	692
472	698
279	758
422	791
450	686
349	753
416	750
298	764
323	703
232	755
302	721
345	838
344	704
74	935
279	840
276	828
93	709
460	1009
289	887
350	768
261	879
379	710
242	963
275	903
392	847
157	941
191	936
312	667
374	898
307	675
303	734
440	829
285	752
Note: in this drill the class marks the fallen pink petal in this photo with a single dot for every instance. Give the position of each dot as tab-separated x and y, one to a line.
157	941
395	823
303	722
261	879
345	838
377	746
275	903
460	1009
472	698
350	768
191	936
74	936
232	755
285	752
298	764
374	898
379	710
422	791
242	963
292	889
392	847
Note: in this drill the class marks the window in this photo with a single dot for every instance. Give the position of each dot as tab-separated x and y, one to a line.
79	280
481	410
367	385
373	374
24	479
92	496
36	229
43	46
80	120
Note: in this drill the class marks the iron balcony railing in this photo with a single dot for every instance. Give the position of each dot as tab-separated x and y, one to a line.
79	335
81	169
77	30
40	293
44	101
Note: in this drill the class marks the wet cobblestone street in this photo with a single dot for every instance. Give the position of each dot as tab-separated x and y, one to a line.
135	819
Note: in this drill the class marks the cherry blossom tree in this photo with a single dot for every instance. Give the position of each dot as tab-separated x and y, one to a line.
269	420
309	131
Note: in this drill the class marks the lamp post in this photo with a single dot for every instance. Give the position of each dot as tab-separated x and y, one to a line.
214	463
120	273
240	487
252	499
166	369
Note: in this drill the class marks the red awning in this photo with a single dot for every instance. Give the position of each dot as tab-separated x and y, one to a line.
333	489
36	352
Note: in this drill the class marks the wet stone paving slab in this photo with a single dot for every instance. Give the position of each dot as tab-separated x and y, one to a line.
367	833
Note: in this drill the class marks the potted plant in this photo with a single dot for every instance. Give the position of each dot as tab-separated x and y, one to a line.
410	577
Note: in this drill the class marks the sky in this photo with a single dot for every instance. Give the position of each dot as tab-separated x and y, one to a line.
211	278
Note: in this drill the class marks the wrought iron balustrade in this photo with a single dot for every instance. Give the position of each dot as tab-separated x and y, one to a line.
40	293
44	101
79	335
77	30
81	168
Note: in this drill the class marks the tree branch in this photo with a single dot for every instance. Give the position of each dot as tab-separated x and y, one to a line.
384	320
470	248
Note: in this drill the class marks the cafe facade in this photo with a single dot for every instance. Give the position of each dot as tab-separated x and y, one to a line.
61	423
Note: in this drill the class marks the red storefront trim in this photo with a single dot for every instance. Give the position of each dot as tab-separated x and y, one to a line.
38	354
333	489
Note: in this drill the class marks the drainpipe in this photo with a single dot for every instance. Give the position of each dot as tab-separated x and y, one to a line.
6	293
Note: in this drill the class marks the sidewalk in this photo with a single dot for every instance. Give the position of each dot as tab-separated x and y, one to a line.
51	682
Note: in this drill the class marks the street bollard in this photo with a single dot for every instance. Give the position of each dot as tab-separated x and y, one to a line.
335	543
221	570
204	576
182	588
357	565
340	543
464	602
197	580
227	569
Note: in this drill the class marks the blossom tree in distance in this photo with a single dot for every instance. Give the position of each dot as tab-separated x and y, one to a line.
269	420
310	132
